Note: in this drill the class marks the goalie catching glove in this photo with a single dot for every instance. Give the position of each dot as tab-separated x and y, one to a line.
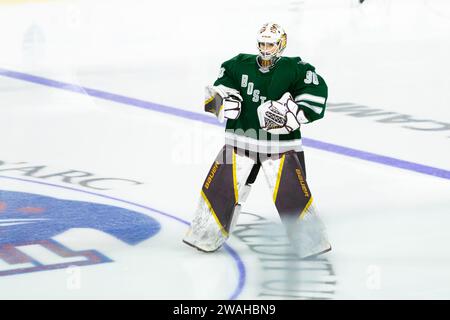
222	101
282	116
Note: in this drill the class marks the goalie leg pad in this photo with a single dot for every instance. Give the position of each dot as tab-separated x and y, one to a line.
216	213
223	102
294	202
204	233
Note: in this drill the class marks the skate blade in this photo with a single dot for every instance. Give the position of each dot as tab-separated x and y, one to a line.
200	249
315	255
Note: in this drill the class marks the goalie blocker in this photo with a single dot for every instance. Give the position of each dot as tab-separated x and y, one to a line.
225	190
223	102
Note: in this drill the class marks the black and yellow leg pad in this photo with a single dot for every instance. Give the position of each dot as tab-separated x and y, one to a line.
291	193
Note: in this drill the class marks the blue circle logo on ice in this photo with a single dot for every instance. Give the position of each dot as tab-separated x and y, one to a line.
33	220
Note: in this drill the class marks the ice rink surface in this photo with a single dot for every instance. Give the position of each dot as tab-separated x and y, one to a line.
104	148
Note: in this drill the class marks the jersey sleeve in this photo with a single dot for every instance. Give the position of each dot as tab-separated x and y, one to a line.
310	91
226	75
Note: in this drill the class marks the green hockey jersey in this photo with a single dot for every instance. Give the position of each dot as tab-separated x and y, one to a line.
289	74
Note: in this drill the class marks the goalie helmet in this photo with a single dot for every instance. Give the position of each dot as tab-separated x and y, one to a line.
271	42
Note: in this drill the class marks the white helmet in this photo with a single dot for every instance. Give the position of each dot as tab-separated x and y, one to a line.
271	41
